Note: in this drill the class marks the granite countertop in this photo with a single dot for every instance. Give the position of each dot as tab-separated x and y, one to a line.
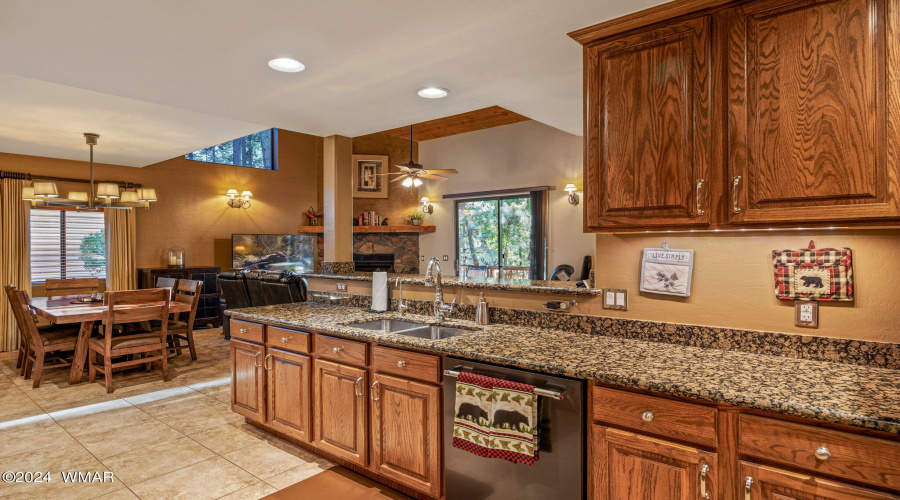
515	285
846	394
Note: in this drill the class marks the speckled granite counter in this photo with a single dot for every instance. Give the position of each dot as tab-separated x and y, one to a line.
847	394
513	285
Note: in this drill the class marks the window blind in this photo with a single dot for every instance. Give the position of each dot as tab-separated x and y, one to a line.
67	244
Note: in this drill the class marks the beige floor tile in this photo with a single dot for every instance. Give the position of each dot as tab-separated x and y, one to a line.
15	405
212	478
253	492
123	494
227	438
69	455
31	434
58	460
294	476
61	396
201	419
108	443
145	463
100	417
264	460
171	401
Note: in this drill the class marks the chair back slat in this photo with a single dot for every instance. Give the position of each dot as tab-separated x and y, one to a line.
145	305
21	306
56	287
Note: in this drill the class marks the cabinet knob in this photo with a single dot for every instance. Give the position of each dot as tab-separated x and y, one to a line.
285	339
335	350
243	330
822	453
401	363
647	416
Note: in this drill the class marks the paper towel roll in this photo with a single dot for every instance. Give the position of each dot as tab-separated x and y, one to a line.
379	292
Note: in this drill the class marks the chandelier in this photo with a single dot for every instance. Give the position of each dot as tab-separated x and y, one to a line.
106	194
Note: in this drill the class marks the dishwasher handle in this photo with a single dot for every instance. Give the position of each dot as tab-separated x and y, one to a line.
547	393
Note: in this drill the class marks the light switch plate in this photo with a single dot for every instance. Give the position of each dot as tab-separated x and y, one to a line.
806	313
615	298
342	287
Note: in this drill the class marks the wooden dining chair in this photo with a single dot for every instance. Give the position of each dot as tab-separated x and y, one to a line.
41	345
131	306
71	286
186	292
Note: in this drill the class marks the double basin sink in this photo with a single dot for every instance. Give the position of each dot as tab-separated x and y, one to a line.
410	328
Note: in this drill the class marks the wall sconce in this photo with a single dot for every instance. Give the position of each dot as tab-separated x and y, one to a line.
427	207
573	196
236	200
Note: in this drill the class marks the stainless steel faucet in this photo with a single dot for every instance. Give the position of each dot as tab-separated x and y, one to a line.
433	278
401	304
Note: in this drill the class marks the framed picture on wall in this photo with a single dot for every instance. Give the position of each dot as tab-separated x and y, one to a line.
368	181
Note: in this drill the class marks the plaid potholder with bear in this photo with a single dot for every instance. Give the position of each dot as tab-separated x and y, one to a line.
812	273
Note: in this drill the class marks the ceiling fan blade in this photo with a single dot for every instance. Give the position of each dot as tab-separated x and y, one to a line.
442	171
434	177
398	179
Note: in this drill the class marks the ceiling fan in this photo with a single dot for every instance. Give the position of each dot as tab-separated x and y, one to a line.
411	172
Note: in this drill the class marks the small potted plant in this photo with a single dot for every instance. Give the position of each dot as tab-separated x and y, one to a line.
416	218
314	216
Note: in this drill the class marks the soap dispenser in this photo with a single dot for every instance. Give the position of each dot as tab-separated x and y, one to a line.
482	317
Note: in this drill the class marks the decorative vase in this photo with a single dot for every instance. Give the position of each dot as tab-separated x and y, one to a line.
313	221
416	222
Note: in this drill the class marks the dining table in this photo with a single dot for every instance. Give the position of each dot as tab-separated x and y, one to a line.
67	310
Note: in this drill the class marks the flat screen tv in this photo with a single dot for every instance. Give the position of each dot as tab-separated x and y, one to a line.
274	252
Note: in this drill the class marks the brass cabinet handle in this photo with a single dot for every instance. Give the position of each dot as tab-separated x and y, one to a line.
256	359
401	363
734	195
822	453
647	416
242	330
335	350
703	493
356	387
266	362
375	391
748	483
285	339
700	210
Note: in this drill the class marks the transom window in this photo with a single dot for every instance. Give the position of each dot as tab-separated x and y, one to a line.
255	151
67	244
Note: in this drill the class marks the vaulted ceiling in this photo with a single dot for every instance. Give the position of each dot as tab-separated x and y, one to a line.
161	78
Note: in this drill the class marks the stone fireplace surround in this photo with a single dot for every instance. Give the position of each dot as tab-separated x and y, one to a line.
404	246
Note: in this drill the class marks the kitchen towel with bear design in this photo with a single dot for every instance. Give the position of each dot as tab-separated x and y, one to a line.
814	274
496	418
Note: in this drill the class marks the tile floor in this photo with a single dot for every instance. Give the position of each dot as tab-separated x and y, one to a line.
175	439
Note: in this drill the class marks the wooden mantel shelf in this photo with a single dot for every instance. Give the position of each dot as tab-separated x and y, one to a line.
371	229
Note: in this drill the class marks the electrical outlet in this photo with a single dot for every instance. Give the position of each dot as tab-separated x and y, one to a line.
806	314
423	258
446	258
342	287
615	298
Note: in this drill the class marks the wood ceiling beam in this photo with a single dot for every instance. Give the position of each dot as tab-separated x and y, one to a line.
479	119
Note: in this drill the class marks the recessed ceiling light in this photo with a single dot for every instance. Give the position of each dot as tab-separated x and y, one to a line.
433	92
286	64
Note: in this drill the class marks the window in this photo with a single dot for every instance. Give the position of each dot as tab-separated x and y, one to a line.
501	236
67	244
255	151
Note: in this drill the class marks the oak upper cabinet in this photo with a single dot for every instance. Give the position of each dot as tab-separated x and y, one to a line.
767	483
248	380
813	111
648	137
406	432
288	393
340	415
627	465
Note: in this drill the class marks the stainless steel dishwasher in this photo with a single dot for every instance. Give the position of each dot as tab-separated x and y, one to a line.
559	471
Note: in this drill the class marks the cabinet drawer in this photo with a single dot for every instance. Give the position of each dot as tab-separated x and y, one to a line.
254	332
407	364
342	350
860	458
292	340
664	417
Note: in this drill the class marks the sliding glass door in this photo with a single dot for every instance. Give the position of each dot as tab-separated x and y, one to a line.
498	237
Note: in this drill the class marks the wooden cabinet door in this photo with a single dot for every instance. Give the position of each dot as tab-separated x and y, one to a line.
339	420
288	393
813	111
406	432
248	380
629	466
648	144
767	483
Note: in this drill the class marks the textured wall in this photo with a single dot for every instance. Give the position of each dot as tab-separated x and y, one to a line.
191	211
733	284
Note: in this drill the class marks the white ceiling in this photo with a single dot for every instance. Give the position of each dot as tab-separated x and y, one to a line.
180	75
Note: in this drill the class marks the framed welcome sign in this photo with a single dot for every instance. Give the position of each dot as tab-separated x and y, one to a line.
667	271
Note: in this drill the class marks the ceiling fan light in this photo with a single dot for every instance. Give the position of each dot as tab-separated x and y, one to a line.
407	182
417	182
